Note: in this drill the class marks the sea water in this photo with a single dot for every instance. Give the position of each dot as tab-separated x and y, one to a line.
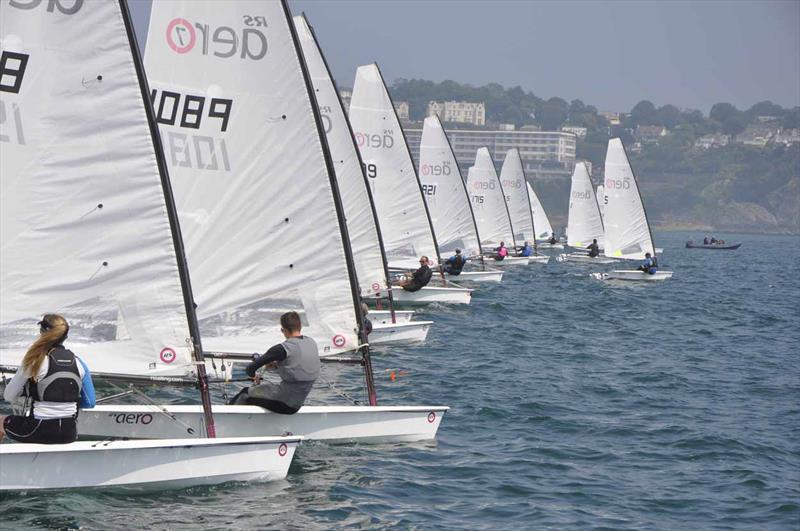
576	404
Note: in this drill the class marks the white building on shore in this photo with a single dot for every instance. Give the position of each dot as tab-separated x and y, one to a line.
462	112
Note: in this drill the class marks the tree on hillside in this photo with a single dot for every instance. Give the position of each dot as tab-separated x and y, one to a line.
643	113
669	116
764	108
552	114
731	120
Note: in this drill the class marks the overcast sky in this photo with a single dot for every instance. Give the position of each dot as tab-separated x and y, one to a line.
610	54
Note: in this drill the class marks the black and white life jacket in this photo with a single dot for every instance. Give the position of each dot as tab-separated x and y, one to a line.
62	383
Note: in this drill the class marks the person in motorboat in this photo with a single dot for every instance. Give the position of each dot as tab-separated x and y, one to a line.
454	264
501	252
296	361
594	249
650	265
527	250
712	240
705	240
420	278
552	240
55	382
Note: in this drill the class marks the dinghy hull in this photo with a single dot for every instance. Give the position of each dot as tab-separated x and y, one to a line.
430	294
147	464
385	316
509	261
335	424
539	259
584	258
478	276
633	275
409	332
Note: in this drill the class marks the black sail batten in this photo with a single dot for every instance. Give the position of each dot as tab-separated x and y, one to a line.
505	204
414	168
363	174
528	195
463	184
172	214
638	191
337	201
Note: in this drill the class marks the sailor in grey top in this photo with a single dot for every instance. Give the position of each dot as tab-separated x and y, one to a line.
296	361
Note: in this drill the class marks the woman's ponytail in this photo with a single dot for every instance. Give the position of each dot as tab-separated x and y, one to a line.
54	330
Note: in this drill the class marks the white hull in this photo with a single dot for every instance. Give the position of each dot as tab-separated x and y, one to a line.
548	246
381	317
430	294
156	464
538	259
409	332
584	259
478	276
509	261
633	275
322	423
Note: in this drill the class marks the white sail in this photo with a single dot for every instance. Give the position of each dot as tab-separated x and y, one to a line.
540	221
445	192
512	176
626	228
488	202
250	173
601	198
402	215
361	224
84	223
584	223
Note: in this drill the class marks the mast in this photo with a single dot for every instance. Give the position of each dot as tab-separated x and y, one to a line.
337	201
363	174
505	203
530	206
172	214
414	168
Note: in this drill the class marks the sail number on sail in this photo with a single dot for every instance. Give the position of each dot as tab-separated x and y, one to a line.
189	150
12	71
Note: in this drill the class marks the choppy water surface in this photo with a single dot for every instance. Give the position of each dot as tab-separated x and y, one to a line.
575	404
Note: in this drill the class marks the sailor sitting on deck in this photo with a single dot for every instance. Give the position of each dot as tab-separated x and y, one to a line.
650	265
56	381
552	240
296	361
527	250
420	278
454	264
501	252
594	249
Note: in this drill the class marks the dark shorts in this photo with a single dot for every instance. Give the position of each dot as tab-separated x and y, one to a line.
412	287
48	431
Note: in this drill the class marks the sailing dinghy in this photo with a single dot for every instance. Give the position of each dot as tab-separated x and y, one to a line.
403	216
262	218
362	226
448	202
512	177
489	206
84	180
585	222
627	231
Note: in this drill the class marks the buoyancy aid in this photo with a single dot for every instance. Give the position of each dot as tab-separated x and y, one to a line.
62	383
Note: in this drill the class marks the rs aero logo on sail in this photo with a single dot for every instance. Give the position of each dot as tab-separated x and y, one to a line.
247	42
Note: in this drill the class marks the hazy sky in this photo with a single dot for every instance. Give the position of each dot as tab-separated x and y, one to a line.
610	54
